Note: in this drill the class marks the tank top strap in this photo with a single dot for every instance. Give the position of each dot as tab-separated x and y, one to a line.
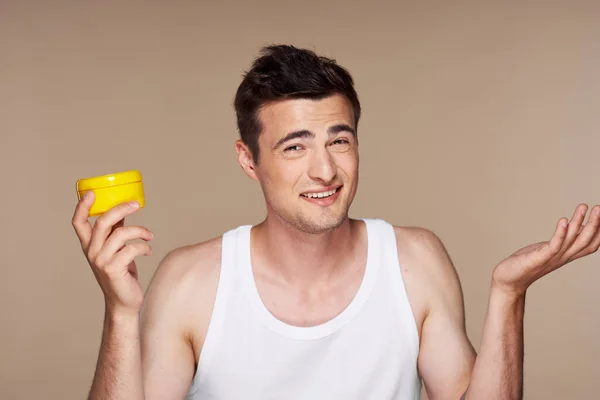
391	262
225	286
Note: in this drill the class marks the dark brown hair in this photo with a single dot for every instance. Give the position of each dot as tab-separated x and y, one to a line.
286	72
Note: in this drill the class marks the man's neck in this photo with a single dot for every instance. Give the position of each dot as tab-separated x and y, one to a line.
304	259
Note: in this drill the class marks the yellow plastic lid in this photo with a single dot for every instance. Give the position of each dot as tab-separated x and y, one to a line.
103	181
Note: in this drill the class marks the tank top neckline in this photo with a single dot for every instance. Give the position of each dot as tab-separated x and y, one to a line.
318	331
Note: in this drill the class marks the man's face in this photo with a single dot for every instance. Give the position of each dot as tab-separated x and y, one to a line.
308	163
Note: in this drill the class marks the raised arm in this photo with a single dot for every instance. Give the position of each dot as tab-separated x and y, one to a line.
111	255
446	359
498	372
137	360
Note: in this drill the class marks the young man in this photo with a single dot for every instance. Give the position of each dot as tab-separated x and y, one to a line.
308	304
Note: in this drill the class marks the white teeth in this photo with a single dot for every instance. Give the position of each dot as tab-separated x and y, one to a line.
320	195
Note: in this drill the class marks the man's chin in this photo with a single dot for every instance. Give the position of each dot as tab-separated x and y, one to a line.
317	225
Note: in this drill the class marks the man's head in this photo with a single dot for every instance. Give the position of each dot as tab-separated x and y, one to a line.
286	72
297	114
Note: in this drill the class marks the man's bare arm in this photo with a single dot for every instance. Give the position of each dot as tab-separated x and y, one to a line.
118	371
446	356
498	370
148	356
177	308
111	255
447	361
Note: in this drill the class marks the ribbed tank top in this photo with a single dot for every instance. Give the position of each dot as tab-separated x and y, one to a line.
368	351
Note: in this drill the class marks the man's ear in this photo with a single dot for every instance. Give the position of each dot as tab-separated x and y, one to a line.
245	159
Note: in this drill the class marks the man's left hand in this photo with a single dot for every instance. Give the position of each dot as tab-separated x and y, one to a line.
571	240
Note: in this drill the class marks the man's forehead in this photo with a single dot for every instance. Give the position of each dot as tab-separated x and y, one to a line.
292	114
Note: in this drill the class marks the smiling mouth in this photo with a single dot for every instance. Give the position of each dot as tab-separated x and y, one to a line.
321	195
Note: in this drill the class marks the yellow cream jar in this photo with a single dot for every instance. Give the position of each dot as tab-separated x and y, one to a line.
112	189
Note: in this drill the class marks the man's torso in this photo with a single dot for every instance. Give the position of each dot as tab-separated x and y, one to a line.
288	304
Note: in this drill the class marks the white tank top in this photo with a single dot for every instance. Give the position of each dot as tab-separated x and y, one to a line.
368	351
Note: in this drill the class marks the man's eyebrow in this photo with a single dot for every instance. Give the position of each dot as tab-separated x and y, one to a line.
294	135
306	134
340	128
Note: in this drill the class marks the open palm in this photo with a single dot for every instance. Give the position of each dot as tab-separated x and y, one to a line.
571	240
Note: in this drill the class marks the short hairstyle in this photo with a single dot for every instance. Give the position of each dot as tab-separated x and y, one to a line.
285	72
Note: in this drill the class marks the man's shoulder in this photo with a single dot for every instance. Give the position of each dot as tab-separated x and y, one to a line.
427	268
196	258
179	299
184	284
198	254
190	262
419	239
425	251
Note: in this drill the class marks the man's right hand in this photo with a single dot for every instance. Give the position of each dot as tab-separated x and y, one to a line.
110	256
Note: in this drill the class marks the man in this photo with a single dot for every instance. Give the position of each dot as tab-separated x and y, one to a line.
308	304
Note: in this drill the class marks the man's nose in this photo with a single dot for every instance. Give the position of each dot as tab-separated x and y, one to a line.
322	167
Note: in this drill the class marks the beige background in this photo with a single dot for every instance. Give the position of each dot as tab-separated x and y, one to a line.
481	122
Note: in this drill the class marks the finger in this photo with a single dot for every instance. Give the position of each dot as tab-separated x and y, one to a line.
118	239
560	234
107	222
127	255
588	241
80	220
119	224
592	248
574	226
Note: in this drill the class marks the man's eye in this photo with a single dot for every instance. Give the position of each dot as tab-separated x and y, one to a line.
292	148
341	141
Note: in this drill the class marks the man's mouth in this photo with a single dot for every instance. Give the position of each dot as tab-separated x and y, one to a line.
321	195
